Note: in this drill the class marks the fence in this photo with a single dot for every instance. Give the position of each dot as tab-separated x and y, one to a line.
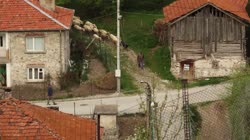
216	112
208	115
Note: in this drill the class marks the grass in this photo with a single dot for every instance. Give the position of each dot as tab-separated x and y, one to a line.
161	64
105	55
127	83
209	81
137	32
239	106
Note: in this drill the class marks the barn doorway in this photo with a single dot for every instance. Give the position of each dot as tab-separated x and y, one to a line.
187	70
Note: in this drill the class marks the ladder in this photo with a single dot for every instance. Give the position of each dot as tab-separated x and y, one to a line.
187	128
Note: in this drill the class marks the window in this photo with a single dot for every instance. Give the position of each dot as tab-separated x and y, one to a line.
35	44
2	41
35	74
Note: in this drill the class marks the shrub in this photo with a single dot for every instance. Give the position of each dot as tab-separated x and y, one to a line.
68	80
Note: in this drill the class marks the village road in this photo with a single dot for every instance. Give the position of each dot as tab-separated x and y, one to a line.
131	104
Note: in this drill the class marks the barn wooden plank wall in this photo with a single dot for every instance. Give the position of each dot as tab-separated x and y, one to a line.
207	31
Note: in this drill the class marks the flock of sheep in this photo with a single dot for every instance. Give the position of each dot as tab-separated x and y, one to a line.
98	34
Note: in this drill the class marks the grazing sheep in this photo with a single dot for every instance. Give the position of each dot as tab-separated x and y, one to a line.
103	33
87	28
78	27
97	37
113	38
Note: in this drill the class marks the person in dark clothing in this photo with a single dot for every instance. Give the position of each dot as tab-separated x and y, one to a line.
140	60
50	94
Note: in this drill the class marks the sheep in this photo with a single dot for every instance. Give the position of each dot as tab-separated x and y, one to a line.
77	21
95	30
97	37
103	33
87	28
113	38
78	27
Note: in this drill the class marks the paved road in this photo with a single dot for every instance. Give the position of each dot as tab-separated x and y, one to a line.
130	104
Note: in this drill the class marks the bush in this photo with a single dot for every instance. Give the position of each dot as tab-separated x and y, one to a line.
195	119
162	63
68	80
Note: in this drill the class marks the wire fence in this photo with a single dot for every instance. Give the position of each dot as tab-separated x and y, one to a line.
216	112
208	113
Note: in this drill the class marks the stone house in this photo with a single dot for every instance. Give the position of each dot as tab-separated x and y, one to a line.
34	40
207	38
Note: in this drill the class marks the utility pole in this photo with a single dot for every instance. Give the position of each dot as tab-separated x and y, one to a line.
149	110
118	70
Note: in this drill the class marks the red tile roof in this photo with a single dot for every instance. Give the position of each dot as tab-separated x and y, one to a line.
19	15
182	7
21	120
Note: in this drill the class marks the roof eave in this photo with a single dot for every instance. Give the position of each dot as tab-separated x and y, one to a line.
172	21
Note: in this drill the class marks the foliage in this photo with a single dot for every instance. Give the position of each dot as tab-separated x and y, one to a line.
196	119
161	63
136	31
127	82
140	134
209	81
103	53
106	55
79	63
2	74
145	4
90	8
239	106
68	80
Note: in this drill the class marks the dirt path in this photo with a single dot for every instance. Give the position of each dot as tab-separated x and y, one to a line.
142	75
214	122
96	69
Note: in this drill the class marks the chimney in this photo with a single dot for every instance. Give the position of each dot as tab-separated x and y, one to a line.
48	4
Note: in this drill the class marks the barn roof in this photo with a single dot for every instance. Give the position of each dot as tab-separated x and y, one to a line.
182	7
22	120
19	15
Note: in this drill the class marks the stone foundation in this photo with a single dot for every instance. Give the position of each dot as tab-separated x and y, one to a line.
206	68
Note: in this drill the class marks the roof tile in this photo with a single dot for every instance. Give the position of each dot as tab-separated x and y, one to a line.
182	7
21	120
16	15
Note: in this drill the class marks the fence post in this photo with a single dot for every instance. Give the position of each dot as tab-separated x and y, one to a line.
187	130
98	127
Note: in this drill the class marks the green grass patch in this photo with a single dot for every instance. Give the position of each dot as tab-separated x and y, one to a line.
105	55
136	31
196	119
209	81
127	83
160	63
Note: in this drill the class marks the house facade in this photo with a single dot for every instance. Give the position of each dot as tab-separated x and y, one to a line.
207	38
34	41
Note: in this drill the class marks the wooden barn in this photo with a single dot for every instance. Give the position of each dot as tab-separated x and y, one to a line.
207	38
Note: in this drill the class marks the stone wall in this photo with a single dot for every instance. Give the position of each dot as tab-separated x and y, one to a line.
206	67
51	59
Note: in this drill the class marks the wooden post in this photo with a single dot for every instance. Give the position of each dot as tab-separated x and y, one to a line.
98	127
149	126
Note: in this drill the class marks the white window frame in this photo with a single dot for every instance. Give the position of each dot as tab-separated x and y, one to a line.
33	44
33	74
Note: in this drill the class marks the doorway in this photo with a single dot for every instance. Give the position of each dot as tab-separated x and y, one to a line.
187	70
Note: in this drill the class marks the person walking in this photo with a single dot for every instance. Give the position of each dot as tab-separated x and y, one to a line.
50	94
